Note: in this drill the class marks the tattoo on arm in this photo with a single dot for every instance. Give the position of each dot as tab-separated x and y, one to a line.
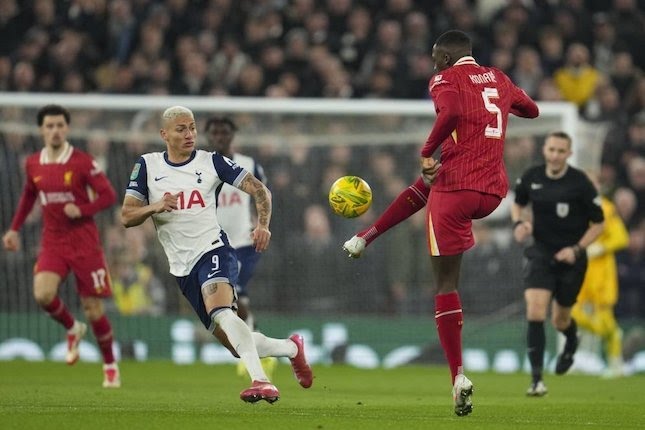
210	289
260	193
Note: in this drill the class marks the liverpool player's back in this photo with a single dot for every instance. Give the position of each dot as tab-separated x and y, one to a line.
473	155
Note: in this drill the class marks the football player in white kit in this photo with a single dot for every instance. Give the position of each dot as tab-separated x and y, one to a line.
178	189
236	217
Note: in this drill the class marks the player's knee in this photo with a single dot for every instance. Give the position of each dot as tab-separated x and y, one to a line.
44	296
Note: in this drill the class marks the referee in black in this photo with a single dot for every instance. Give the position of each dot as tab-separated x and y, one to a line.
566	218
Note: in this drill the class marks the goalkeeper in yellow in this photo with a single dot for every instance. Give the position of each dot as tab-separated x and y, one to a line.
594	309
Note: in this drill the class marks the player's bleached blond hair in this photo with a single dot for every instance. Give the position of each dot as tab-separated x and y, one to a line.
175	112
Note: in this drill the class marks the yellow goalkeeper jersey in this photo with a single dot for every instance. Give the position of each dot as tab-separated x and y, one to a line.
601	280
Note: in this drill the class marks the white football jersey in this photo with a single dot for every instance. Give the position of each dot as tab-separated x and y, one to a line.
187	233
234	206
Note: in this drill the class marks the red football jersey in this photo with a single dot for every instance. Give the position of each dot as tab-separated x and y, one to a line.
74	177
472	104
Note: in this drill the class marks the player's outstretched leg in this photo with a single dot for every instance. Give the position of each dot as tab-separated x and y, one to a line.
462	392
301	368
74	336
260	390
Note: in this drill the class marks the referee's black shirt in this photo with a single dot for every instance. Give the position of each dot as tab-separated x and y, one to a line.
562	208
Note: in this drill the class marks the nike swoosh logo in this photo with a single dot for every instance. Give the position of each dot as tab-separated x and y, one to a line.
210	275
536	186
159	178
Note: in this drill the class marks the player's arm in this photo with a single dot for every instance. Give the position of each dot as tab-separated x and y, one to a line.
134	211
523	105
11	239
105	193
593	209
522	226
448	107
263	205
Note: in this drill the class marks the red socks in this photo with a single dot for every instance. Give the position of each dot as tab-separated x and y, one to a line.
406	204
449	320
59	312
103	333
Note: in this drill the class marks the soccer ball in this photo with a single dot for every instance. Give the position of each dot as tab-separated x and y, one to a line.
350	196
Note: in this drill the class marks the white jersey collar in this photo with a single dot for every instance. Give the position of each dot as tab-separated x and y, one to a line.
62	158
466	60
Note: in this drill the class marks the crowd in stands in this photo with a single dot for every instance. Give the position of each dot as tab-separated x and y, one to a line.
586	52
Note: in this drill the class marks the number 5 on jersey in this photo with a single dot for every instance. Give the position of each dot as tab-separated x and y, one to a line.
488	95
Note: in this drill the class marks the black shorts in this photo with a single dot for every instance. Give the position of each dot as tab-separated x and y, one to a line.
562	279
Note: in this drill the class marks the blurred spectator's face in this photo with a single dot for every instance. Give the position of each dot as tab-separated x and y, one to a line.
24	76
360	22
636	171
317	222
339	7
637	241
577	55
502	59
625	201
528	60
54	130
609	99
548	91
551	45
623	64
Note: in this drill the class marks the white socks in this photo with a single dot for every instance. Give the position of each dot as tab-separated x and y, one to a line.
270	347
239	335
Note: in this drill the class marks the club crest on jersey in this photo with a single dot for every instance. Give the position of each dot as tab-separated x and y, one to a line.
199	176
67	178
562	209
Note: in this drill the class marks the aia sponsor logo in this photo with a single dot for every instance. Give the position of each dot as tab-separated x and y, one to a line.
187	200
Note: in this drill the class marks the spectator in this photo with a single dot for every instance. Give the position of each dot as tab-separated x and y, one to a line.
577	80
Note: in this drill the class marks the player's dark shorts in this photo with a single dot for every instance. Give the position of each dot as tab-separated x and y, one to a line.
217	265
87	264
562	279
247	258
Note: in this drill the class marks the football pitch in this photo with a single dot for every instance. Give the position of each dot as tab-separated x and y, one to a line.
161	395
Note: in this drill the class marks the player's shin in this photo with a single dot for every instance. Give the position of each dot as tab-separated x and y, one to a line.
270	347
536	341
240	336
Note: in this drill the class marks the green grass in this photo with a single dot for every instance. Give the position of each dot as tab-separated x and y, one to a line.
160	395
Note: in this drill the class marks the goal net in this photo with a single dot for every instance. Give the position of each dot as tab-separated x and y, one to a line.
304	281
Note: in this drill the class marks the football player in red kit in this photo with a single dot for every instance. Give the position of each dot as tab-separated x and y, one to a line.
472	104
71	188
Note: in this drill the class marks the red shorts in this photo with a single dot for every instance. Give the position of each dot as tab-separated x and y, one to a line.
449	216
90	270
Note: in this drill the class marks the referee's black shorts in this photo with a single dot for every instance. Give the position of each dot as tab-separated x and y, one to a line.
562	279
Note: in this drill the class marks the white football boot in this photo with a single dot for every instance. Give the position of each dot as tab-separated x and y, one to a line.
537	389
462	392
355	246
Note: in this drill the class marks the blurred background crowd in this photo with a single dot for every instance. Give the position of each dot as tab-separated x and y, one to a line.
586	52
